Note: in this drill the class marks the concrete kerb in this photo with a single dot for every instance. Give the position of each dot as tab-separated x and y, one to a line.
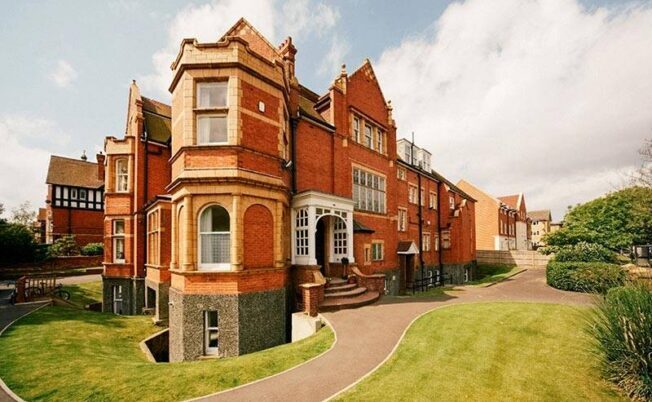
145	349
3	385
321	317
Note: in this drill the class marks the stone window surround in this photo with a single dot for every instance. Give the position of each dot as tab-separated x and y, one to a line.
220	267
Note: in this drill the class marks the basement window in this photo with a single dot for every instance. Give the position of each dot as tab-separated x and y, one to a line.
211	333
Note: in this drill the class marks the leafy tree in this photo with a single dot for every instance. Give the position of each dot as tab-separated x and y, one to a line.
23	214
616	221
16	243
643	176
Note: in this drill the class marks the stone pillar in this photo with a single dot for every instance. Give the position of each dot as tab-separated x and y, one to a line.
189	247
174	240
237	229
310	292
349	237
312	231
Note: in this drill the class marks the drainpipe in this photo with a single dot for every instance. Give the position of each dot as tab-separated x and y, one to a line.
145	139
293	132
420	213
439	248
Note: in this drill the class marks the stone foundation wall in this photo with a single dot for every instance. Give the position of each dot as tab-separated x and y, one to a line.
456	272
133	295
161	311
248	322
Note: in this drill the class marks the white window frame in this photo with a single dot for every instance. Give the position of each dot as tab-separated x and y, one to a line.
209	116
340	240
116	238
219	266
369	191
451	201
425	241
377	251
121	177
436	241
208	350
116	291
412	194
446	239
356	129
433	200
368	136
402	219
207	84
301	247
379	140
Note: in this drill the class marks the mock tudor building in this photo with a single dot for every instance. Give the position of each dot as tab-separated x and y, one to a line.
501	223
75	200
258	188
540	222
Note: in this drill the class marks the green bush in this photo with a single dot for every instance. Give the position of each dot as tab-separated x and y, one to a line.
595	277
64	246
622	330
580	252
16	243
93	249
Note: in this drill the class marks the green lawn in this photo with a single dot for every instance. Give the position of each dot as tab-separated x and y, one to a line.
491	352
66	354
85	293
491	273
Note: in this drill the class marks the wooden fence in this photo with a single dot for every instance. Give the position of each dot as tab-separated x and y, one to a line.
526	259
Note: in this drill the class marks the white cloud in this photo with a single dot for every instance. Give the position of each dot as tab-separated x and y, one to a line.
24	158
208	22
544	97
63	75
334	57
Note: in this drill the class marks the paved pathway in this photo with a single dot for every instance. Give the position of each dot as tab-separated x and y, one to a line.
366	336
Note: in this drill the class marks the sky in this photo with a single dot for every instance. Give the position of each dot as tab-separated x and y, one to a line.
552	98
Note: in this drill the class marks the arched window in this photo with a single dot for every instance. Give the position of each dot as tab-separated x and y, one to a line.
121	176
215	239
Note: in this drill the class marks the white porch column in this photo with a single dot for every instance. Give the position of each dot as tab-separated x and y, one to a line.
349	236
312	232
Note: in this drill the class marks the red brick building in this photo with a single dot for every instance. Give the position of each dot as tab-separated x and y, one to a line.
75	199
266	187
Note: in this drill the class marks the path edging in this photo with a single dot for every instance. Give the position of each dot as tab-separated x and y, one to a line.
504	278
277	374
3	385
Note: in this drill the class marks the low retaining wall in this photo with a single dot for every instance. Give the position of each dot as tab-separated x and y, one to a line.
51	265
521	258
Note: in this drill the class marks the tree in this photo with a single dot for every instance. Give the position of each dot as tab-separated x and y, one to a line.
16	243
23	214
643	176
616	221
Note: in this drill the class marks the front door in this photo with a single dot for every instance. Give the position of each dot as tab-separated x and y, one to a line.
320	246
406	267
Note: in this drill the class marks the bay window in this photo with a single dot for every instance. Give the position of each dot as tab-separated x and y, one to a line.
212	100
121	175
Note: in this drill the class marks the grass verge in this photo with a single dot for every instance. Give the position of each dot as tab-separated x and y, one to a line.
491	273
491	352
64	354
85	293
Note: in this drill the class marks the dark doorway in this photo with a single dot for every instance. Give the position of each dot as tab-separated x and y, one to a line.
320	247
406	265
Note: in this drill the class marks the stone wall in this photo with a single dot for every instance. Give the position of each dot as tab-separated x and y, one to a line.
133	294
528	259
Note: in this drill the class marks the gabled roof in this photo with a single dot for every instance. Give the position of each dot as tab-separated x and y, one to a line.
257	42
440	178
407	247
510	200
541	215
369	73
157	120
73	172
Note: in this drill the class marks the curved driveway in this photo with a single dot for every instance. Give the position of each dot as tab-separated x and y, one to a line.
366	336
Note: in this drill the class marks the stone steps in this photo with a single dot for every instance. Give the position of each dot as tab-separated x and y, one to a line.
340	288
345	294
334	304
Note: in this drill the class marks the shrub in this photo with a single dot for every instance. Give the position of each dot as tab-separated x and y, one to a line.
580	252
622	330
16	243
595	277
64	246
93	249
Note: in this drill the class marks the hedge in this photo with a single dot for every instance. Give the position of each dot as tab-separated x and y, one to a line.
595	277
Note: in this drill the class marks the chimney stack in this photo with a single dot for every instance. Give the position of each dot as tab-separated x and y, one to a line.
100	157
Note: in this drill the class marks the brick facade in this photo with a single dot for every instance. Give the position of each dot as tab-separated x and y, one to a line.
283	192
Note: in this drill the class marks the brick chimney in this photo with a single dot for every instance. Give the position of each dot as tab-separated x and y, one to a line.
100	165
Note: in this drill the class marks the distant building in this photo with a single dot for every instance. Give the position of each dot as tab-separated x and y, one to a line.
75	199
39	225
555	226
501	223
540	223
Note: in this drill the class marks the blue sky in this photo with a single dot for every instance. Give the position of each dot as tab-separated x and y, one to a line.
68	64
